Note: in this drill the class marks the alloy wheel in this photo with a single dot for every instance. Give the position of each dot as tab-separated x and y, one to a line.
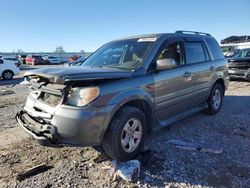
131	135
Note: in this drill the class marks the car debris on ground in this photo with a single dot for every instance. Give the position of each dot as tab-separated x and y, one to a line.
33	171
129	170
195	147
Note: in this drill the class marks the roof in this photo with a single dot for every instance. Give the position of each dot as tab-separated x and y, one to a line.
157	35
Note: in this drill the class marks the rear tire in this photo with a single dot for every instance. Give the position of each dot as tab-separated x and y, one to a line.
215	99
7	75
126	133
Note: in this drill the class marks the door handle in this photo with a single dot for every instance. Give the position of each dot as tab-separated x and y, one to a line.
212	67
187	74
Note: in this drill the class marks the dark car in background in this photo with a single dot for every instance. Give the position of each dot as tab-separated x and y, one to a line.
36	60
239	65
23	58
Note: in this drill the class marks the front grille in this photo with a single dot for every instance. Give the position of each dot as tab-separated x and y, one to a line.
49	93
240	65
51	99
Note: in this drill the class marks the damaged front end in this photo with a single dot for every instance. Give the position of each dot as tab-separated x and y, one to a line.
65	113
41	104
239	69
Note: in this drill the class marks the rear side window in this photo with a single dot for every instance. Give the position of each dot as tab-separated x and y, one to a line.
215	48
194	52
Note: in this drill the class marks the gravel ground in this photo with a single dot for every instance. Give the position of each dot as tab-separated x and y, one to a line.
164	166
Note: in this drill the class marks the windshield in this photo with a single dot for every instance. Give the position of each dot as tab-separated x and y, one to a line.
127	55
243	53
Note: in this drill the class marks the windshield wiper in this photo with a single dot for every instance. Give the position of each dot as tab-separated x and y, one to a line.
117	67
110	67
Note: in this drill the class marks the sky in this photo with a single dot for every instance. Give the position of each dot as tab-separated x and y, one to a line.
42	25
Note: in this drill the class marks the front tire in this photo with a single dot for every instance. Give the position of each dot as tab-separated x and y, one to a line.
126	134
7	75
215	99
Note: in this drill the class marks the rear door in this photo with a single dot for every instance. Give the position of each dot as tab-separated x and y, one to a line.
198	64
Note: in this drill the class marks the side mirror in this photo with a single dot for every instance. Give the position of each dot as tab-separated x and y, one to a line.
167	63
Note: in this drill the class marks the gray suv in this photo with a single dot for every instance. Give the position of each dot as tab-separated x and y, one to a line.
124	91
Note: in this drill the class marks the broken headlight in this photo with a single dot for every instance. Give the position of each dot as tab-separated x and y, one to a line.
82	96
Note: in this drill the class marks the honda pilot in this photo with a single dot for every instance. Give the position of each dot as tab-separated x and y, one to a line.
124	91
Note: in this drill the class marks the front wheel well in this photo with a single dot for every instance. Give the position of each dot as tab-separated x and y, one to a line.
145	108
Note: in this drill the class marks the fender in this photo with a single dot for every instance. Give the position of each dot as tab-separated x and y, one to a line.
129	95
221	72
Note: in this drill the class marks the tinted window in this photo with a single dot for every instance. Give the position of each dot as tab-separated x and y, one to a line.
194	52
215	48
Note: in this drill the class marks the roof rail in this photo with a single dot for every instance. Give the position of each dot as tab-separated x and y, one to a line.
193	32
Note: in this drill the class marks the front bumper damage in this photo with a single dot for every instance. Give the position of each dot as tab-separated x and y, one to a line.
68	126
239	72
64	125
44	133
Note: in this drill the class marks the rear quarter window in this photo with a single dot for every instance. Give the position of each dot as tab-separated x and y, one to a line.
215	48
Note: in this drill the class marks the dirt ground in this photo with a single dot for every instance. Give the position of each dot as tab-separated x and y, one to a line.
165	165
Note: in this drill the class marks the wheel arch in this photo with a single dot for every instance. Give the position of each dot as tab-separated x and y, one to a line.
142	102
145	107
222	83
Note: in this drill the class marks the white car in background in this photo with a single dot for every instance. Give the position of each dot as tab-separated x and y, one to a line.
8	70
12	60
52	59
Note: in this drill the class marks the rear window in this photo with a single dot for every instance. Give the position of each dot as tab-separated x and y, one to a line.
194	52
215	48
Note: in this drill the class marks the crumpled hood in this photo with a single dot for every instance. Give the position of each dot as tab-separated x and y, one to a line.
60	75
238	59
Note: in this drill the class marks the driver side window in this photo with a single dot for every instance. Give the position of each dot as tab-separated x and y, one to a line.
172	51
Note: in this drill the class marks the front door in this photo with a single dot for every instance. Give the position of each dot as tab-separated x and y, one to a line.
172	85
